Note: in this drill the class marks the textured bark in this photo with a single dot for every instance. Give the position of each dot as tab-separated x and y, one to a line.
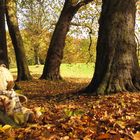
116	68
55	52
12	21
3	44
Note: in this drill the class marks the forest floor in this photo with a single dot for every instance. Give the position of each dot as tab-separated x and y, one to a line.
67	117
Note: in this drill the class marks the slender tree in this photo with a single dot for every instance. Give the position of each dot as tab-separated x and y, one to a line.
55	52
12	21
117	68
3	44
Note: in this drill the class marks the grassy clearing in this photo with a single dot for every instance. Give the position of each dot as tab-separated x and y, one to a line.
79	70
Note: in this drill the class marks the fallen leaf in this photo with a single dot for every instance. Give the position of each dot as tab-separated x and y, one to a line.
103	136
136	136
6	127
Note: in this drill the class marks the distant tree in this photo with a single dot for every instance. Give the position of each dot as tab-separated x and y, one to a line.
3	44
34	21
12	21
55	52
38	18
78	50
116	68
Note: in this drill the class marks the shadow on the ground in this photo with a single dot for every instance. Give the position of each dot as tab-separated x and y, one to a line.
67	89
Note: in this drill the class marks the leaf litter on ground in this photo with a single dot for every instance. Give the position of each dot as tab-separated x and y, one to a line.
112	117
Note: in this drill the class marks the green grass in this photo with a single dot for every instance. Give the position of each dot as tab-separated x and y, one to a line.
78	70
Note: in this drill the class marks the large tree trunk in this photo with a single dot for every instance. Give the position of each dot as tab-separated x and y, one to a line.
55	52
12	21
116	68
3	44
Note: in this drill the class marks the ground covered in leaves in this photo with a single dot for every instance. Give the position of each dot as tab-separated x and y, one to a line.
67	117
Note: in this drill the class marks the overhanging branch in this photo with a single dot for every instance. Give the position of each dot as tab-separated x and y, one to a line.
82	3
90	35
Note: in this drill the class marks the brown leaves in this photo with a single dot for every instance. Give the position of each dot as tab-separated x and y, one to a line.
113	117
103	136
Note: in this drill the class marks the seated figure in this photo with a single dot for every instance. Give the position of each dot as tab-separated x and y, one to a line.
5	78
9	100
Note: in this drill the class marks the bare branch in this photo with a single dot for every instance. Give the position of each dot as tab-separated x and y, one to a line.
82	3
138	45
90	35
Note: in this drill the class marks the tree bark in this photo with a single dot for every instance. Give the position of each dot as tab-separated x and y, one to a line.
12	21
3	44
36	54
55	52
116	68
54	57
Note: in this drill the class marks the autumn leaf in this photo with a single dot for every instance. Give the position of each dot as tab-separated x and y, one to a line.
6	127
19	118
136	136
121	124
103	136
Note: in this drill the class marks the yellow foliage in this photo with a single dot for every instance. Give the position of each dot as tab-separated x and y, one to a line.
5	128
19	118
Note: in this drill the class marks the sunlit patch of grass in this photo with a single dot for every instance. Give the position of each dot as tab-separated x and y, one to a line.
78	70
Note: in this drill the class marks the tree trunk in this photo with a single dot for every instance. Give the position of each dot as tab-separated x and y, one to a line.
116	68
3	44
36	54
55	52
12	21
